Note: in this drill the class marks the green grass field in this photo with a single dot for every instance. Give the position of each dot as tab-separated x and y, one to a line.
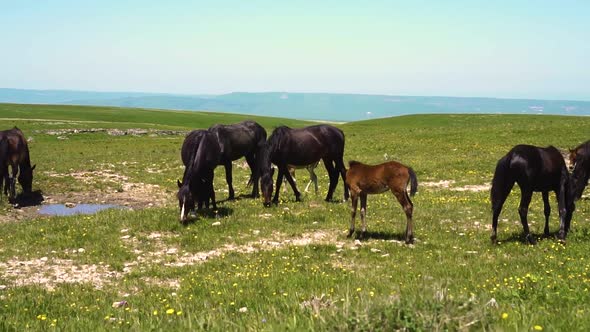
288	267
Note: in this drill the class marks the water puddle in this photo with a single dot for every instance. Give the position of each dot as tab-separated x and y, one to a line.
62	210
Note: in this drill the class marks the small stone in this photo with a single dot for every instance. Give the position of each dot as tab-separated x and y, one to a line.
119	304
255	232
124	230
171	251
385	255
217	223
43	259
69	205
357	243
243	309
125	237
81	250
2	287
375	250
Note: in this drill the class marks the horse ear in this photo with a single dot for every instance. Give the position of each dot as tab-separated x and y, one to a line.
179	183
33	168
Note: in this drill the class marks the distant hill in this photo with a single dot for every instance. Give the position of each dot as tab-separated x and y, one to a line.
311	106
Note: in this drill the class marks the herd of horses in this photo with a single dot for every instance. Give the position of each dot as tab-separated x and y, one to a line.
534	169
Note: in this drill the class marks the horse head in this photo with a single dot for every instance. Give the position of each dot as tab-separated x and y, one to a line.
186	202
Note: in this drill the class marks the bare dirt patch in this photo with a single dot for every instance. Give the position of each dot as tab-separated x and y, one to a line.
49	272
119	190
450	185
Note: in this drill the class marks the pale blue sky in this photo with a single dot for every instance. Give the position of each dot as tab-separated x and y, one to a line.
515	49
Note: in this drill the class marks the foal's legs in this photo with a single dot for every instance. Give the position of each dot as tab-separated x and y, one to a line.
363	214
228	178
408	206
289	178
312	178
523	209
547	211
255	176
354	205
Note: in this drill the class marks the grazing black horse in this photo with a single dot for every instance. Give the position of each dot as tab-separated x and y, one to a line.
244	139
19	160
187	153
197	181
580	161
534	169
302	147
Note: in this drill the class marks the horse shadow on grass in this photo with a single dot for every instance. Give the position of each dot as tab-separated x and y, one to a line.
519	237
25	200
372	235
208	214
237	198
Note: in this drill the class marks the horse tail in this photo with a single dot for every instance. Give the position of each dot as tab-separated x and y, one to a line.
501	179
413	181
3	161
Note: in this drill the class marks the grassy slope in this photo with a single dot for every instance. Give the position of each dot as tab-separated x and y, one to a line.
444	282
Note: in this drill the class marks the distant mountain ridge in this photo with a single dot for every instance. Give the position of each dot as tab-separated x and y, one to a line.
310	106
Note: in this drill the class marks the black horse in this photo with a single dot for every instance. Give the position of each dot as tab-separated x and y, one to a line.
301	147
534	169
580	161
19	160
197	181
244	139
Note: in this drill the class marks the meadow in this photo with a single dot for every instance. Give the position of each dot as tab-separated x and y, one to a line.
287	267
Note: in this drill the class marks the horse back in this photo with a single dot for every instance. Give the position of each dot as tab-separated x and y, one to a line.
240	139
18	149
541	168
374	179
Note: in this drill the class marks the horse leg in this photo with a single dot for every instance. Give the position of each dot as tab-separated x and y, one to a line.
499	194
255	175
363	214
211	196
523	209
340	167
292	183
408	206
547	211
228	178
275	199
12	184
353	208
332	173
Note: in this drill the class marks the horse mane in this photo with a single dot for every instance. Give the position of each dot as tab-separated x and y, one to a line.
3	152
279	134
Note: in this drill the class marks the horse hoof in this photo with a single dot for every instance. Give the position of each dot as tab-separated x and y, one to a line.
531	240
